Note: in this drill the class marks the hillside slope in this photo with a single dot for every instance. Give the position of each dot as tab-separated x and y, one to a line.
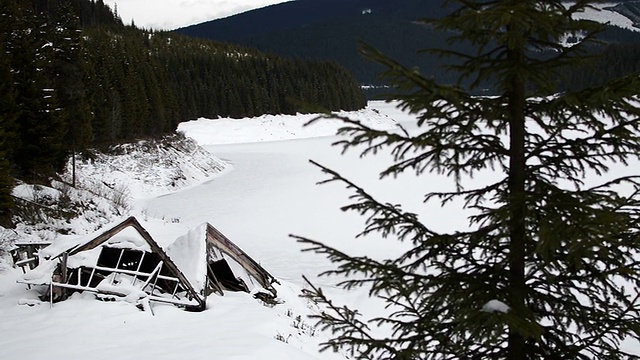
331	29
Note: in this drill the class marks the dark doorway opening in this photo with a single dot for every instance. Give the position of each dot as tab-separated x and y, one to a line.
221	271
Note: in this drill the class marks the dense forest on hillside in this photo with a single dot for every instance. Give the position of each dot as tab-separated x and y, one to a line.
618	55
332	29
147	82
72	76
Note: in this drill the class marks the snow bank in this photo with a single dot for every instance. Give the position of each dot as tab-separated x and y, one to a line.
600	14
189	253
37	193
276	127
242	327
146	168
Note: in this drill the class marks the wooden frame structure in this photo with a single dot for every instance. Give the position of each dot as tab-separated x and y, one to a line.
111	268
216	240
119	271
25	255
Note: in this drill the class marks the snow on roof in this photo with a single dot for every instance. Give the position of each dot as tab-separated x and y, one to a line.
128	238
276	127
189	253
65	243
186	258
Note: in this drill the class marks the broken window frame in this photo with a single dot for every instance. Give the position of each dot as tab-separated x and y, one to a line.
176	293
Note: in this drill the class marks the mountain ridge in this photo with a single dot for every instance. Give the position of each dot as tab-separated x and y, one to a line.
292	14
332	29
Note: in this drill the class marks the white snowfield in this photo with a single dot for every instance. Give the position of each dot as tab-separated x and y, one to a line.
600	13
266	191
263	191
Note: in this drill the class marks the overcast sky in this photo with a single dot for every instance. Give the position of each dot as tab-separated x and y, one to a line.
172	14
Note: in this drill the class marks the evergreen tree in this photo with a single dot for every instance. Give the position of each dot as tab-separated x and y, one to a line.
70	78
7	115
130	84
548	266
37	151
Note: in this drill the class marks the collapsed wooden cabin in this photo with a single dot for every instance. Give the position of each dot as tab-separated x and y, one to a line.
126	262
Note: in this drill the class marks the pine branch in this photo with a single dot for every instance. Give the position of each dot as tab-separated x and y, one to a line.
382	218
557	255
354	334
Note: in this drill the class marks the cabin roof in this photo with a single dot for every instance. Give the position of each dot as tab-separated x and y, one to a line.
188	261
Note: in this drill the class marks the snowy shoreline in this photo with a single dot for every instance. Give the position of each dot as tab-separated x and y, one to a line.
277	127
240	326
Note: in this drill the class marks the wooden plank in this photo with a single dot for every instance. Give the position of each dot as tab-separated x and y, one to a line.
220	241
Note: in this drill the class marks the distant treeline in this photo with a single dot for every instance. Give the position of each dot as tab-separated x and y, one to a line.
73	76
145	82
618	55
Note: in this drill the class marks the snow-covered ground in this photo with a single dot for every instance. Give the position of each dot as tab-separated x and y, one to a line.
261	191
266	191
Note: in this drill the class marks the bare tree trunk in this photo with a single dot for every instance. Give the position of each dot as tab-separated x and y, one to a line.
516	203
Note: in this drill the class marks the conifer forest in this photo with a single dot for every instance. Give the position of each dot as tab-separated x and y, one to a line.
73	76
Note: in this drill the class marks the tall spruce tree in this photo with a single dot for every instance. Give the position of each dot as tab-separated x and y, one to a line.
37	149
7	125
549	265
69	78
